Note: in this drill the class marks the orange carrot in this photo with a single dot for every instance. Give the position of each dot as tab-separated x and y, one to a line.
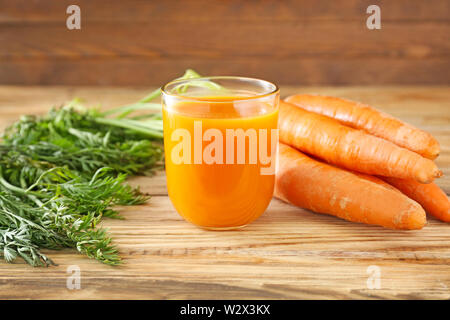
317	186
350	148
364	117
432	198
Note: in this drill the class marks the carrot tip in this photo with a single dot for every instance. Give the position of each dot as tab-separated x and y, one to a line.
417	221
435	155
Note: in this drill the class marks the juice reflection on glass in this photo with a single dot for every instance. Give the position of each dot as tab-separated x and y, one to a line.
220	138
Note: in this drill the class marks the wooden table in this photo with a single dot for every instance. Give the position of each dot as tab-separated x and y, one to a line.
288	253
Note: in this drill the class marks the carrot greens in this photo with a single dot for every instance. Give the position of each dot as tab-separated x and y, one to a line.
61	173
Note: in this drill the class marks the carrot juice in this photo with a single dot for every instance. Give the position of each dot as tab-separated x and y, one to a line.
219	154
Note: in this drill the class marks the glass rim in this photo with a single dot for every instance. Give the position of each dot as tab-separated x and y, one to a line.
275	87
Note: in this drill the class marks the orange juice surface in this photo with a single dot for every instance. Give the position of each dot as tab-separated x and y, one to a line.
218	182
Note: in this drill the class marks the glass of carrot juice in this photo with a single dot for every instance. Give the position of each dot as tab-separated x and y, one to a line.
220	140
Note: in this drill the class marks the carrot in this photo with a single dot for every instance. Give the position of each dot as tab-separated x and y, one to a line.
364	117
317	186
432	198
350	148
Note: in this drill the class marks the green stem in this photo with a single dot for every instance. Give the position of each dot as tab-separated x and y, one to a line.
188	74
153	95
30	188
11	187
151	116
125	110
150	132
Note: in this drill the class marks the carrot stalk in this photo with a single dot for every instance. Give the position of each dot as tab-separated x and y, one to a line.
432	198
364	117
350	148
317	186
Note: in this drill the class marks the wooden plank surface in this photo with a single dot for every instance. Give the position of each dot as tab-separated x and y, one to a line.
38	11
290	42
288	253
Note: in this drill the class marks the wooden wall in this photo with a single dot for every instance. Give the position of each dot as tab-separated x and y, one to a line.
139	42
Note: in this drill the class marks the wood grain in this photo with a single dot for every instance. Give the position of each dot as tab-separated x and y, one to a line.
328	39
288	253
147	71
38	11
291	42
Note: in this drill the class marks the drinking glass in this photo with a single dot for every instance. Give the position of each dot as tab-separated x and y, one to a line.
220	140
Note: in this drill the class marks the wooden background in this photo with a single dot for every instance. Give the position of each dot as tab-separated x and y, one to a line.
302	42
288	253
